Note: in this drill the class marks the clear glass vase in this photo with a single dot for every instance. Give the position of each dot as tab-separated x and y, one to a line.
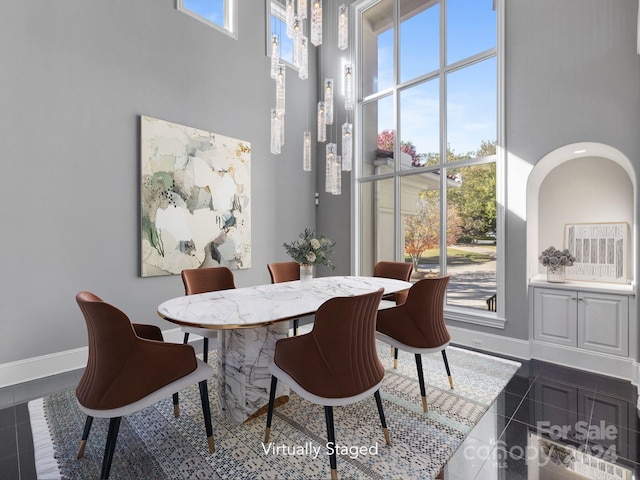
555	274
306	275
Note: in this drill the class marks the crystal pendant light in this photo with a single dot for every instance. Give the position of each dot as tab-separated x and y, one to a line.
306	156
303	68
337	177
281	117
316	22
302	9
280	88
297	40
328	101
348	87
275	55
347	146
276	134
289	16
322	126
330	177
343	27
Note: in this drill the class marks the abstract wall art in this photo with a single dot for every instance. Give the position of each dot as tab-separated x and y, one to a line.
195	199
600	250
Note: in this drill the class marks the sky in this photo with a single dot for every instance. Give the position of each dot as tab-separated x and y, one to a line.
212	10
471	92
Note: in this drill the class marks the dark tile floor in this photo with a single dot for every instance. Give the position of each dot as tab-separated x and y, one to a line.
588	422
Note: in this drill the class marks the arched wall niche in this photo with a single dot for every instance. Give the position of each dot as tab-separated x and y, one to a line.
583	182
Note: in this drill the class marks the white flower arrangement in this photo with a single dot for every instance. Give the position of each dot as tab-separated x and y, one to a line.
310	249
553	258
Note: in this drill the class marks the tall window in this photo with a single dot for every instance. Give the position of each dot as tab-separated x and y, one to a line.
428	132
220	14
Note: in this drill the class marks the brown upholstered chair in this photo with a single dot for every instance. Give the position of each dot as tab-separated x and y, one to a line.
336	363
417	326
398	271
126	373
203	280
285	272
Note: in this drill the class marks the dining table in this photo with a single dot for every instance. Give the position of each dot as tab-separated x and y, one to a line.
250	320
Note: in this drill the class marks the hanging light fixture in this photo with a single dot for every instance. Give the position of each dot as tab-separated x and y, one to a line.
343	27
302	9
275	55
320	120
330	171
347	146
303	68
337	177
276	133
328	101
298	32
290	13
306	152
280	87
348	87
316	22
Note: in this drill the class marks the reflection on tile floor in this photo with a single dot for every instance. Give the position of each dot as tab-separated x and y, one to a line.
549	423
553	422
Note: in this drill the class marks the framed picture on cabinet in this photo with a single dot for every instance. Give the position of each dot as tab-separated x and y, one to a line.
601	251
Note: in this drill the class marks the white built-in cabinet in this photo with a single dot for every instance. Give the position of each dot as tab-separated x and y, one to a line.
589	320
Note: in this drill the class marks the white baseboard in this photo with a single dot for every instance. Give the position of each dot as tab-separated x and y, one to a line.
60	362
489	342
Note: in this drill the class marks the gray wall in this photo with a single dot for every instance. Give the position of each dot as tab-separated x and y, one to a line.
76	76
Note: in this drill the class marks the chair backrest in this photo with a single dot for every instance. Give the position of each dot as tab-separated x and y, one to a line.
284	271
425	307
121	367
202	280
344	333
397	270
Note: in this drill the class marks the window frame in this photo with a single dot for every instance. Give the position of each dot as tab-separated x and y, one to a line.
452	312
230	26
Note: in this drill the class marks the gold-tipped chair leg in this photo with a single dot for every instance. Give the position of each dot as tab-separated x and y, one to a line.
212	444
267	434
387	437
425	407
176	411
451	382
334	474
83	443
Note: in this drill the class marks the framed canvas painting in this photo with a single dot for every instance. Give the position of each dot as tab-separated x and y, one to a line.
601	251
195	198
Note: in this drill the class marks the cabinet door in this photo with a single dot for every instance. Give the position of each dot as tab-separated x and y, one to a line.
603	323
555	316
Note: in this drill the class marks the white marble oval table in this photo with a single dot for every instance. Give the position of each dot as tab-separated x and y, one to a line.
250	321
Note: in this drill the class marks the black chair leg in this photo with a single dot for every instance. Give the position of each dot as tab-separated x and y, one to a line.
446	365
295	326
272	398
331	440
205	349
382	419
85	436
423	391
176	398
206	411
395	358
112	436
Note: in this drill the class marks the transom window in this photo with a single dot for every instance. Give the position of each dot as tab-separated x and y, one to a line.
220	14
428	131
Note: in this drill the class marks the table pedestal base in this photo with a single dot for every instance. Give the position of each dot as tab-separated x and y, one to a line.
243	379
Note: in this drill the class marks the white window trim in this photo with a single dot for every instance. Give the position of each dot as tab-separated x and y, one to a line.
460	314
230	17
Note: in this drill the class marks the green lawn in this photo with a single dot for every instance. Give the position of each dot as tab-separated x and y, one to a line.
455	257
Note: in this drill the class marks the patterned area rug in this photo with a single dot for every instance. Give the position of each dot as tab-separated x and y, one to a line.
152	444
